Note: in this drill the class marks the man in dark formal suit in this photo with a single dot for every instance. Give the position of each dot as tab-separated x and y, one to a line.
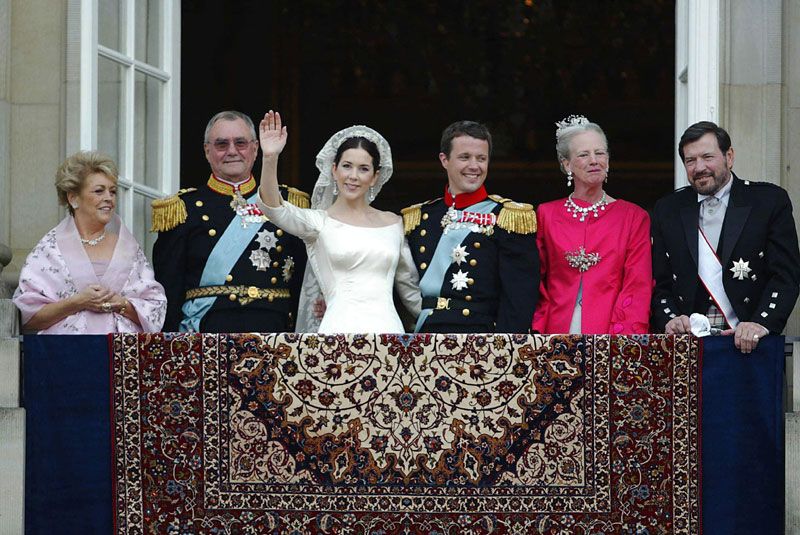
476	253
723	247
223	265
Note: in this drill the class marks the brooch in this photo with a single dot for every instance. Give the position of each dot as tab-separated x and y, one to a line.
581	260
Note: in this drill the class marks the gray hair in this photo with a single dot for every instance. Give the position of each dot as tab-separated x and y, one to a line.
230	115
564	135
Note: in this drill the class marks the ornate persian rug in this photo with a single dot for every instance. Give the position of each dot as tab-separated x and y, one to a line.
384	434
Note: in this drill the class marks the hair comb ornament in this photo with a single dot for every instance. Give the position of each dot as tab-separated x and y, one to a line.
569	122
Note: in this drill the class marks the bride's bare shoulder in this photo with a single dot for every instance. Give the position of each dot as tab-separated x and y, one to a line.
388	218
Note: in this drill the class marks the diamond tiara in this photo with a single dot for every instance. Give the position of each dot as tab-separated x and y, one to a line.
569	122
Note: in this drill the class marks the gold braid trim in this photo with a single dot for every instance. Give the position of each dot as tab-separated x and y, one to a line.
297	197
517	217
169	212
412	217
499	199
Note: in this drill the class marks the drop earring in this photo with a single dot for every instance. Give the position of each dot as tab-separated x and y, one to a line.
371	194
335	188
569	179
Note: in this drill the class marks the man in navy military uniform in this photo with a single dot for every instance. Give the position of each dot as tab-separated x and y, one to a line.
476	253
224	267
723	247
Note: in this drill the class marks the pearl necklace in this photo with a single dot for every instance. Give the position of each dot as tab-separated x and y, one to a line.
94	241
574	209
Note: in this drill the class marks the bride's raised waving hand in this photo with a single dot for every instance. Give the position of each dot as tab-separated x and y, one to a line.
272	135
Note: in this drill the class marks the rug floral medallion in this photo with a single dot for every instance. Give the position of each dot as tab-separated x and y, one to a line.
382	434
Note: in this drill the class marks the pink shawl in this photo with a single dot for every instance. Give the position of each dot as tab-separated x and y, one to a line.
58	267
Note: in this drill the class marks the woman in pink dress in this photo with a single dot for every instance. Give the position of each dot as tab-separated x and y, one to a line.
88	275
596	271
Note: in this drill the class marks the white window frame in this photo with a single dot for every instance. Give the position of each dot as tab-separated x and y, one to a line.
82	115
697	69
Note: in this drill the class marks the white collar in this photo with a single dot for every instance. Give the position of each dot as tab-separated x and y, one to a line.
722	194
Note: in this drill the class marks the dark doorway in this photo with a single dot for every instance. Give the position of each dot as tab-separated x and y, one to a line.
408	69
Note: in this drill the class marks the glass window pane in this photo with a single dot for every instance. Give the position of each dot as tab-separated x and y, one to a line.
111	23
142	214
148	32
148	136
110	117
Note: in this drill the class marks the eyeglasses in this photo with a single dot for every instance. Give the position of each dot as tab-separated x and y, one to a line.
222	145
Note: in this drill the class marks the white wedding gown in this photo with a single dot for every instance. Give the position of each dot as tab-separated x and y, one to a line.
356	267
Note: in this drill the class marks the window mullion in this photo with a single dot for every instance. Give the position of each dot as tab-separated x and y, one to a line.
170	123
89	77
128	168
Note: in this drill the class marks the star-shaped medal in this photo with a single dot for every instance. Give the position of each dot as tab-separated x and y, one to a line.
266	239
260	259
459	280
459	254
741	269
288	268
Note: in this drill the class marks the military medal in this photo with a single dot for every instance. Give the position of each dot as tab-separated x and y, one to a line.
459	254
741	269
260	259
288	268
460	280
474	221
266	239
581	260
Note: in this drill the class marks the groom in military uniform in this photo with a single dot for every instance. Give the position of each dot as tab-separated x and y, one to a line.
476	253
223	265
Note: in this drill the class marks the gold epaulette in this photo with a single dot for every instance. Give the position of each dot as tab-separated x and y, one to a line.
412	217
516	217
297	197
169	212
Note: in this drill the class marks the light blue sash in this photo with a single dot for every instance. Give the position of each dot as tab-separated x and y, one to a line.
431	282
223	257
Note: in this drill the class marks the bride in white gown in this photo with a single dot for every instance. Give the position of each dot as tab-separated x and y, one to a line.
356	253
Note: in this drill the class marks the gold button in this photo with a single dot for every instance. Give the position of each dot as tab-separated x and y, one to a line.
470	281
468	298
473	262
232	297
423	232
229	278
465	312
424	216
423	265
279	232
198	203
275	264
212	232
274	280
270	298
477	245
279	248
421	248
205	217
252	292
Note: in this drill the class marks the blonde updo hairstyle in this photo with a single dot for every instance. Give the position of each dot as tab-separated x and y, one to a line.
72	174
568	129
